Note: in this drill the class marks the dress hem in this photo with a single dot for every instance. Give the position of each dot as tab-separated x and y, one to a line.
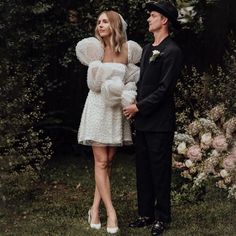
95	143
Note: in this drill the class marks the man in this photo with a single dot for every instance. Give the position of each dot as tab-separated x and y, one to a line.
154	115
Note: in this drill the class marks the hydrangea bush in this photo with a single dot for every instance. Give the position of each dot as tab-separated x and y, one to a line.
206	152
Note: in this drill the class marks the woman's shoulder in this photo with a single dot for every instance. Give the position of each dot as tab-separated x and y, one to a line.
134	52
88	50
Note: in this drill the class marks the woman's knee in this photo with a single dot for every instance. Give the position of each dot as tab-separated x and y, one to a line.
102	164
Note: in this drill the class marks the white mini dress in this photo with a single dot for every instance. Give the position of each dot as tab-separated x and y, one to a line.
112	87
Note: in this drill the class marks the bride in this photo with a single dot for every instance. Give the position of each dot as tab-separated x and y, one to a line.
112	77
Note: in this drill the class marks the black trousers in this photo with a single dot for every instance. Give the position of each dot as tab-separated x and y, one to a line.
153	170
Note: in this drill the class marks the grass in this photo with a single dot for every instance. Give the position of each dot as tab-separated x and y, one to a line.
58	205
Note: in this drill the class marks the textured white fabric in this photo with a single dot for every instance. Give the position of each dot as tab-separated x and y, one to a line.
88	50
128	97
129	94
102	121
132	73
112	88
111	91
94	81
134	52
97	73
130	86
112	85
103	125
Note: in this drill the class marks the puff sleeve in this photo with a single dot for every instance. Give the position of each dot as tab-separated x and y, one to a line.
111	91
134	52
97	74
132	74
89	50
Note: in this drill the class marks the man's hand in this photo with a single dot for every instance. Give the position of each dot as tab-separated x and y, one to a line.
130	111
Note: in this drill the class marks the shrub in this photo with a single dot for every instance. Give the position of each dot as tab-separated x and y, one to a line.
23	147
198	92
206	152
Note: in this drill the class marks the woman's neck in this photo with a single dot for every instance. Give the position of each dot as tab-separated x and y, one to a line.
107	42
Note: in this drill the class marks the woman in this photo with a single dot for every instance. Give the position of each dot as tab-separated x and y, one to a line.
111	79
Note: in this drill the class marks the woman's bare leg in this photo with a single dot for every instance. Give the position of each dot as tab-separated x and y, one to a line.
111	151
97	197
103	183
112	219
95	207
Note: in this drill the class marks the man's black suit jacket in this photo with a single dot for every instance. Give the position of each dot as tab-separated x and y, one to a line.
155	99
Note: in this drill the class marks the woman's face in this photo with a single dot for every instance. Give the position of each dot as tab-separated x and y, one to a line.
103	26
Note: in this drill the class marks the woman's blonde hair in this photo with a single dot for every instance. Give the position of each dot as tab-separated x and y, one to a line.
118	34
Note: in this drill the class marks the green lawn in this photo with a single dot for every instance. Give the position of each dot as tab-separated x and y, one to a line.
58	205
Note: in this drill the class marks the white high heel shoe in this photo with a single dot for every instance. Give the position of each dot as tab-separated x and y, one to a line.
112	230
93	226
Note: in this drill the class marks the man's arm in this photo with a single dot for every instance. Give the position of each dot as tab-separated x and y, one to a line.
170	71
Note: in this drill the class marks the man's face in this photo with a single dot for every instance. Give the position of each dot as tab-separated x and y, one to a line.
156	21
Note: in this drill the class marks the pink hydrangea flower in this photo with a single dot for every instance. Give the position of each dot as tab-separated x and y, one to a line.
194	153
229	163
219	143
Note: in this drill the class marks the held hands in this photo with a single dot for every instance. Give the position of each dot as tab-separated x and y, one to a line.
130	111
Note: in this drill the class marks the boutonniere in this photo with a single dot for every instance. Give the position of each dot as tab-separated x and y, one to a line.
155	55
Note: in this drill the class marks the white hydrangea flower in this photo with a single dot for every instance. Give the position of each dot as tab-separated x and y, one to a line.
224	173
182	149
206	139
189	163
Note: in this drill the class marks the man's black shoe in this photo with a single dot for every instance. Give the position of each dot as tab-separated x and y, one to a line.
141	222
157	228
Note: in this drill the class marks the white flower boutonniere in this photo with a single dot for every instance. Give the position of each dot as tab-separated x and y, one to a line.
155	55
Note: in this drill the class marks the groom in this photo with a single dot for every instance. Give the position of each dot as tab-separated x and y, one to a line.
154	115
